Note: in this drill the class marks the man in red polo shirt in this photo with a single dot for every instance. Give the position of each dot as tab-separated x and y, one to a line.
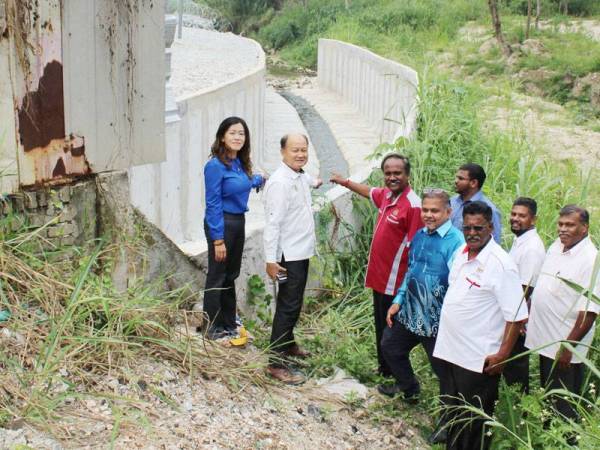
398	220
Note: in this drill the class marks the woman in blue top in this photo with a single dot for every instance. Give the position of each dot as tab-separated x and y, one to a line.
228	180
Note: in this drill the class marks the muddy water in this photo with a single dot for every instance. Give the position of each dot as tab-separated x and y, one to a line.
330	156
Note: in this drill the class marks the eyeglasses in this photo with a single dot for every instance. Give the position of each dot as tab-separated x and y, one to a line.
477	228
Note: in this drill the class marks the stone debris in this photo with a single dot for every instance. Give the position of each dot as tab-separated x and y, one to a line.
168	410
343	386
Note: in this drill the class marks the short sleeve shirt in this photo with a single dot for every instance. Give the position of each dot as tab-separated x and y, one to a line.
555	305
483	294
528	253
398	220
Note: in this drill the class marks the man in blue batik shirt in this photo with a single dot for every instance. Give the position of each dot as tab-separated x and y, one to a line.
468	182
414	316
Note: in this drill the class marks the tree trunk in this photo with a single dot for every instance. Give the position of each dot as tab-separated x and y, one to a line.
528	19
506	50
538	11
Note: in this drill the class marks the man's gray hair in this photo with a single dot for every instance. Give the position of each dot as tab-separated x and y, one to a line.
584	215
437	193
285	137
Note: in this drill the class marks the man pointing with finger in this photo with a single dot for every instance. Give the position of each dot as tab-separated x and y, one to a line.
289	242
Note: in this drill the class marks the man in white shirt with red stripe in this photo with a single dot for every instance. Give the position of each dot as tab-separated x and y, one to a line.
398	220
559	312
480	321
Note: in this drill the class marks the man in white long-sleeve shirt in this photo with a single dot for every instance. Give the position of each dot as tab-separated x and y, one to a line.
289	241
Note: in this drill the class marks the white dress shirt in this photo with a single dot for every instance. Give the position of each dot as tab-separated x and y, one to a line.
554	305
290	227
528	253
483	294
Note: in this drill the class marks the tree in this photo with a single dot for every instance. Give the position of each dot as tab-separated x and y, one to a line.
506	50
538	11
528	19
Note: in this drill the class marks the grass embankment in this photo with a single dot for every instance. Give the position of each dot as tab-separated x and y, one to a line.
70	329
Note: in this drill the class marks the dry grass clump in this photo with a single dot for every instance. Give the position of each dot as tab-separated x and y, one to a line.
69	329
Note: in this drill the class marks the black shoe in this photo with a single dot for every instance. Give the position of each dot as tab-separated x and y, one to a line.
439	435
216	333
412	397
389	389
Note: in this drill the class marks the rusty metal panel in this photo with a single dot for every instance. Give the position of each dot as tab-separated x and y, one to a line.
115	80
44	150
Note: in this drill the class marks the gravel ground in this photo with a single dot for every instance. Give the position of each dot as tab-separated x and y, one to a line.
194	66
169	411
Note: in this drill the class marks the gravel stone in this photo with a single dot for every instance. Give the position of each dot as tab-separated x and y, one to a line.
194	66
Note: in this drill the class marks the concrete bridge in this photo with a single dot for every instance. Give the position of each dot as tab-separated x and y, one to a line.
357	101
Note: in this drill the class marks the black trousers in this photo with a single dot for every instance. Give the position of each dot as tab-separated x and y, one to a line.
466	430
289	304
570	379
396	344
219	294
517	370
381	304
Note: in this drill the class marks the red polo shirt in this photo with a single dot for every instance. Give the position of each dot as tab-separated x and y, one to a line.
398	221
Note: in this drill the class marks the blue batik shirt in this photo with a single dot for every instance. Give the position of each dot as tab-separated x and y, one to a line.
457	204
422	292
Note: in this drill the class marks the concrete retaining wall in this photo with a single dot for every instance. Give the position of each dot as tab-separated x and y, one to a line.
383	91
171	194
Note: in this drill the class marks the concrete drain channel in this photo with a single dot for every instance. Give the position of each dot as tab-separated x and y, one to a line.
331	159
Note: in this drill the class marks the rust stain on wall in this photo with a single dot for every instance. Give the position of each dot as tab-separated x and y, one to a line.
42	113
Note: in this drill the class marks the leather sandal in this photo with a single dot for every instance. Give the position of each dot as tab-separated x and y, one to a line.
285	376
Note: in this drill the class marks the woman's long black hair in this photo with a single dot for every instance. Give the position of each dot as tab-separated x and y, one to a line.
218	149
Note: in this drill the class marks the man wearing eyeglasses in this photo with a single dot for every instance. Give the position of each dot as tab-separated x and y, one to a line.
414	316
468	183
398	220
481	317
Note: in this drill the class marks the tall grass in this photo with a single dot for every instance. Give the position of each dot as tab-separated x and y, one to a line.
70	329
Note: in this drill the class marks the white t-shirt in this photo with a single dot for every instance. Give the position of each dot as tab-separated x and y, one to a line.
554	305
483	294
290	227
528	253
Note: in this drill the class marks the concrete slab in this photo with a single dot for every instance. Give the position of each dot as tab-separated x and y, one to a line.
355	137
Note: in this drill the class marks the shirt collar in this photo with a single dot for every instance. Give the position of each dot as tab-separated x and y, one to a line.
526	236
404	193
478	196
442	230
483	255
578	247
289	172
